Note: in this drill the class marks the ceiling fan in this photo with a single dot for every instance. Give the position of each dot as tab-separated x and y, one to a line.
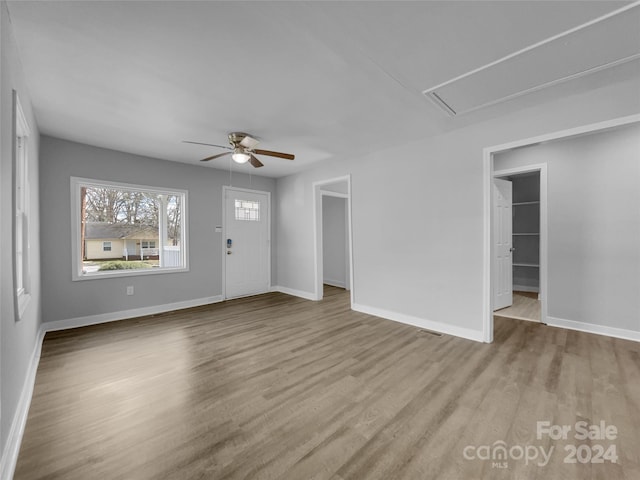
243	150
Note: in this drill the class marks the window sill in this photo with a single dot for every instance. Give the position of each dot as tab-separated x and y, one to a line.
127	273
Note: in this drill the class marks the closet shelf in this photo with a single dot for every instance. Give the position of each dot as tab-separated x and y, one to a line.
515	234
516	204
534	265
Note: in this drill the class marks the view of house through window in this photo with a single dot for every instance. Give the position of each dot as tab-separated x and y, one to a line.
129	229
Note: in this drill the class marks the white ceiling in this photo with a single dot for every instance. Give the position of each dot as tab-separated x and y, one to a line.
317	79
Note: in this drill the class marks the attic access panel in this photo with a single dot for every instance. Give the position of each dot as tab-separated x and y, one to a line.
602	43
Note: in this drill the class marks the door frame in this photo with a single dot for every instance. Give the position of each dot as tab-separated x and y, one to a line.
225	189
318	193
487	173
542	168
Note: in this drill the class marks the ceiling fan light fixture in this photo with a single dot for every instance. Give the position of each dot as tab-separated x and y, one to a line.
239	156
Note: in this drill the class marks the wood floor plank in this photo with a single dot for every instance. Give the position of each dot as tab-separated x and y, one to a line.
276	387
525	306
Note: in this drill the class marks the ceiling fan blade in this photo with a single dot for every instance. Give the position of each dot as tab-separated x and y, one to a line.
255	162
209	144
249	142
286	156
215	156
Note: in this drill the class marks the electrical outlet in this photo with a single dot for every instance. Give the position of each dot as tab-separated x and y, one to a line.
130	290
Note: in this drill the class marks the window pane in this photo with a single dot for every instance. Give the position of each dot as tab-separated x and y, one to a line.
19	253
21	210
247	210
129	230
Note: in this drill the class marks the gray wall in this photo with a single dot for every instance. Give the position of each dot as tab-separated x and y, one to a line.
18	339
64	299
334	241
426	261
594	225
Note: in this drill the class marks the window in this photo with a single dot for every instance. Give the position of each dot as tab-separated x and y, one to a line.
110	221
247	210
21	209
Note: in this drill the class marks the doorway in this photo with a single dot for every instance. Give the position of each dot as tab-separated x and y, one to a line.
336	191
247	242
335	251
517	236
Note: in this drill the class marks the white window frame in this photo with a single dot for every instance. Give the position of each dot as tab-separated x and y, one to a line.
21	210
104	246
76	262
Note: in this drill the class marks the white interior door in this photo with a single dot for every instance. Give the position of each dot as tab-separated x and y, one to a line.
502	244
247	246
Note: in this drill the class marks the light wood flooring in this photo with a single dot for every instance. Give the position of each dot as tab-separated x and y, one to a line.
526	306
274	387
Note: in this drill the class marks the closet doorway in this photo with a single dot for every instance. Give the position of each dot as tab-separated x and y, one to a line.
520	295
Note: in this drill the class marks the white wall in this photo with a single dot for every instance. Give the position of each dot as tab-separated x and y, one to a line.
417	214
18	339
65	300
334	241
593	191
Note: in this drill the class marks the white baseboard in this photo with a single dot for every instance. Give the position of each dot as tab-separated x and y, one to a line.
592	328
335	283
295	293
124	314
14	439
439	327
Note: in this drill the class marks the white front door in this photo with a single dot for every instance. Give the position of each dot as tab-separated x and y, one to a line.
247	246
502	244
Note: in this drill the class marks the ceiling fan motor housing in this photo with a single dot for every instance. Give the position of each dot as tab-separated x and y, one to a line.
236	137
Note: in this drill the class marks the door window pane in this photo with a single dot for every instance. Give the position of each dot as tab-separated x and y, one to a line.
247	210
